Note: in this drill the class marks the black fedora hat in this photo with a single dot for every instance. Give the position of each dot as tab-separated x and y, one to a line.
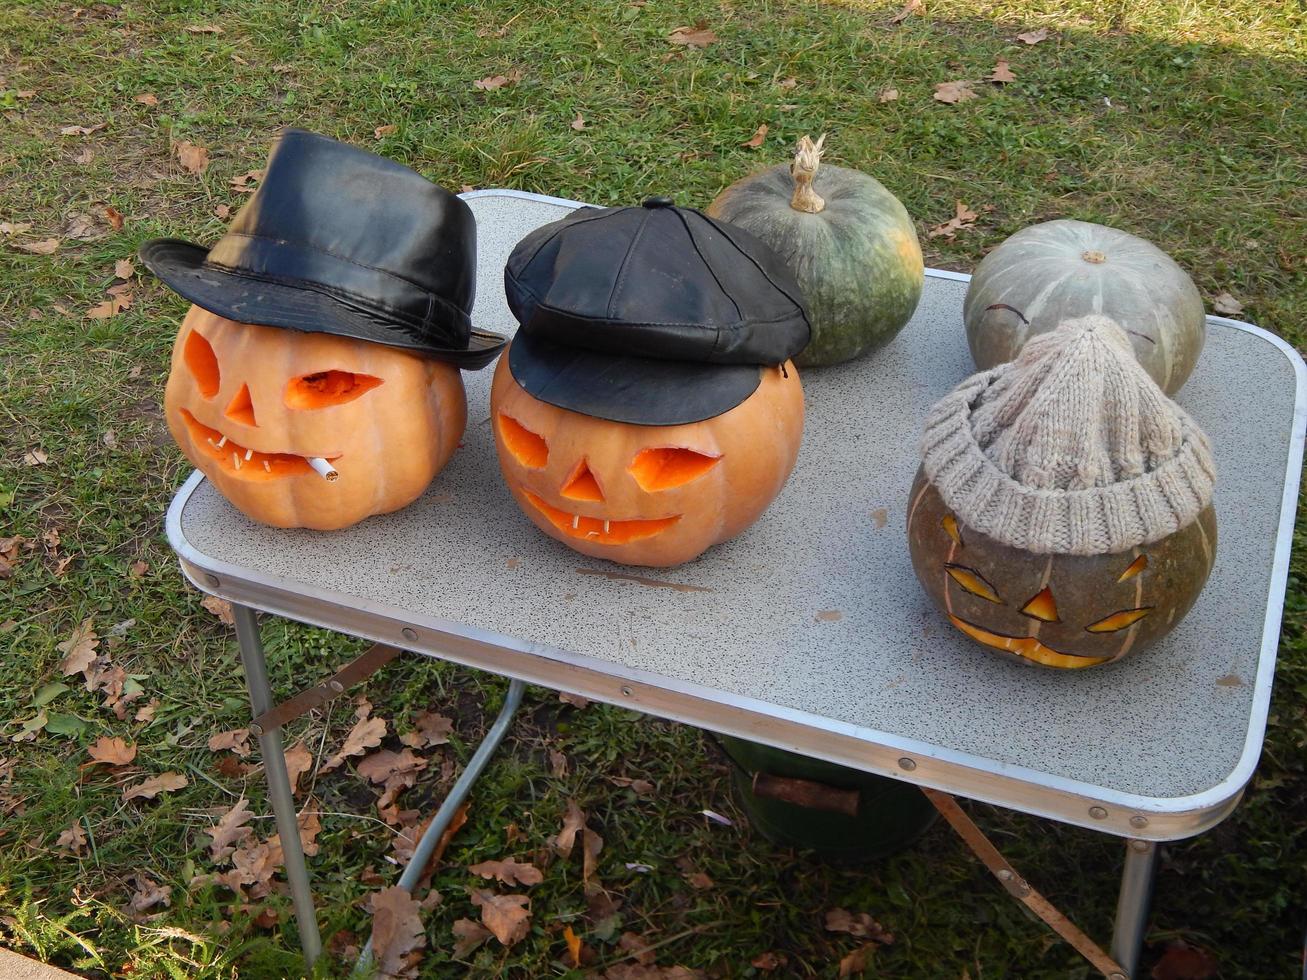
339	240
655	315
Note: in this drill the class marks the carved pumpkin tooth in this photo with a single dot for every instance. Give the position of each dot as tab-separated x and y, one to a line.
249	455
605	527
576	521
222	442
236	460
266	466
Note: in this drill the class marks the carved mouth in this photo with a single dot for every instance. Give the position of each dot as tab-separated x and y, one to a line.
1025	646
597	529
241	461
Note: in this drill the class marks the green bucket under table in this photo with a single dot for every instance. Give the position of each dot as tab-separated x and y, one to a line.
844	815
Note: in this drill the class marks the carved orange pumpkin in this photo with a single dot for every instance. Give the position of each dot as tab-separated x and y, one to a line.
646	494
250	406
1066	611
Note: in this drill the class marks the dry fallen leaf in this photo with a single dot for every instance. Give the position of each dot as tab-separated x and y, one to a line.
510	872
163	783
468	935
220	608
787	83
114	217
1034	37
147	98
123	269
146	713
385	130
242	182
47	246
397	933
193	158
79	649
909	8
700	881
203	29
380	766
1001	72
507	916
298	761
857	961
887	95
573	947
769	961
963	218
954	92
430	729
492	82
591	845
1227	305
74	838
230	830
147	894
578	123
367	733
573	821
82	130
112	751
575	700
859	924
222	212
755	141
236	740
14	229
698	36
110	307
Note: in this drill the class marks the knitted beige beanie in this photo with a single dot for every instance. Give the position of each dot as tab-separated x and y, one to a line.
1070	449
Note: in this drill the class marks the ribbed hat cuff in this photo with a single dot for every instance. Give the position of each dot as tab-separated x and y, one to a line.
1095	521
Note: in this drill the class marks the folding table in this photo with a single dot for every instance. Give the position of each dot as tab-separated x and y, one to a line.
809	632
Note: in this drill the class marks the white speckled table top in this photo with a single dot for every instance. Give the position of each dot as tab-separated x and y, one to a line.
809	630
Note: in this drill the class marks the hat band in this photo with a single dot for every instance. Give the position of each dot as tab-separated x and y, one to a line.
376	291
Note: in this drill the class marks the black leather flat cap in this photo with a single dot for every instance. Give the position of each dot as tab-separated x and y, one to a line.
655	315
339	240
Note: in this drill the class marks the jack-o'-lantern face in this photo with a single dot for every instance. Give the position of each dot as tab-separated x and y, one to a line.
646	494
254	407
1066	611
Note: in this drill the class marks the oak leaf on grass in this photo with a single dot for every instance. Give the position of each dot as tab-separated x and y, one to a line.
509	871
507	916
573	821
79	649
1034	37
1227	305
468	936
397	933
236	740
756	140
73	838
698	36
952	93
163	783
193	157
367	733
230	830
220	608
47	246
111	751
1002	73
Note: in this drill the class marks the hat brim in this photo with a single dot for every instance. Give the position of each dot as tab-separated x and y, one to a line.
295	307
639	390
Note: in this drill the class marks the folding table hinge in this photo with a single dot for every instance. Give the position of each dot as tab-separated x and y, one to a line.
372	660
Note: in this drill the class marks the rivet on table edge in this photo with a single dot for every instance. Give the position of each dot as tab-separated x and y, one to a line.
211	581
907	765
336	686
256	730
409	633
1098	812
627	691
1138	821
1117	976
1142	846
1004	874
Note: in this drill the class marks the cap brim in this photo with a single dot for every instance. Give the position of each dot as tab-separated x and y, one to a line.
273	304
639	390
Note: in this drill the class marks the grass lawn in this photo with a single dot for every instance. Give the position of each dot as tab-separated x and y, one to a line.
1182	121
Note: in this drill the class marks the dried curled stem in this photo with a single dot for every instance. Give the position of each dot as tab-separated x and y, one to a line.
803	169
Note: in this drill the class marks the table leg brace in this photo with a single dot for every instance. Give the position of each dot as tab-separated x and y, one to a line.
279	792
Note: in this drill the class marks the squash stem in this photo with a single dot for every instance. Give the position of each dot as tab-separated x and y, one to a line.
803	169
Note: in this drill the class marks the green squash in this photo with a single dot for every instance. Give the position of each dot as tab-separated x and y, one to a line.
849	242
1059	270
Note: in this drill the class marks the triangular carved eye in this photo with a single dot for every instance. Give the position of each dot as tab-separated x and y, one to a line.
973	582
326	389
582	485
1119	620
1136	566
669	466
524	445
1042	607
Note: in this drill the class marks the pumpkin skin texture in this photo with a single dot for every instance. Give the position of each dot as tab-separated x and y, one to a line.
655	495
1061	611
857	259
1064	269
385	418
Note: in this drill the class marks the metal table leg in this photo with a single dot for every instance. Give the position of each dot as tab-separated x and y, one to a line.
279	792
1132	904
457	794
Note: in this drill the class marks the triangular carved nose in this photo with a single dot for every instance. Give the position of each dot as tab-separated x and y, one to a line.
582	485
241	408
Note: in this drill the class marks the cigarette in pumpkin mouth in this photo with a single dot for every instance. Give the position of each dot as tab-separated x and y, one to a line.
323	469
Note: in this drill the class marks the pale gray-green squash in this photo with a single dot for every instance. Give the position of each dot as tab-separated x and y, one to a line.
848	241
1062	269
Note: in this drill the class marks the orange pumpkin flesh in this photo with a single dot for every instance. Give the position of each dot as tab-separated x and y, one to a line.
250	405
655	495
